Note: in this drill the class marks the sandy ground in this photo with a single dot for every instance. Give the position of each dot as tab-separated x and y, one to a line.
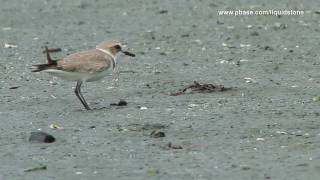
267	127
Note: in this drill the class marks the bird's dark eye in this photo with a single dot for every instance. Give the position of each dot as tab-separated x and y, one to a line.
118	47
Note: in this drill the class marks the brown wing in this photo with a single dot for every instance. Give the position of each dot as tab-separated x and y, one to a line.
85	61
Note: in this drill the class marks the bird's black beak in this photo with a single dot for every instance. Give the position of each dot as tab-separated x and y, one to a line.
128	53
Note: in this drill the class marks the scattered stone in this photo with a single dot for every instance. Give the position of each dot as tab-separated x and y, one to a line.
143	108
279	26
6	28
254	33
163	12
157	134
315	99
172	146
302	165
250	80
260	139
42	137
80	22
268	48
43	167
245	167
10	45
185	35
55	126
220	22
153	172
146	127
204	88
14	87
120	103
163	53
83	5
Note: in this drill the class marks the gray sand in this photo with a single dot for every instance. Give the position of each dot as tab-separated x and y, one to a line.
267	127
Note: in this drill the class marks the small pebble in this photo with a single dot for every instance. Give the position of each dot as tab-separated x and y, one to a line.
172	146
36	169
55	126
120	103
163	12
254	33
10	45
14	87
143	108
41	137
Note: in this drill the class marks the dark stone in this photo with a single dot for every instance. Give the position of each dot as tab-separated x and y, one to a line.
120	103
185	35
157	134
163	12
14	87
254	33
172	146
268	48
41	137
36	168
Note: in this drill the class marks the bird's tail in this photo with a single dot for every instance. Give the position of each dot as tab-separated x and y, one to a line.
50	65
41	67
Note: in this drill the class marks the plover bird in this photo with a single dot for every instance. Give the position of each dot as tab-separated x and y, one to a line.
84	66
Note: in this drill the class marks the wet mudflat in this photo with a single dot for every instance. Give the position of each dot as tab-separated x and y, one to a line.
265	127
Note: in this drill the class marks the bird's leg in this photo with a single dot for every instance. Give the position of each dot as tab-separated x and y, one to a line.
49	59
79	95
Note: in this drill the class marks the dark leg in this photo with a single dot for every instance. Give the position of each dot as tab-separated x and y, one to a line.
79	95
48	55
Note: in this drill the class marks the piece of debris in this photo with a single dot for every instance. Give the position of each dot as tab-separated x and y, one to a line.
43	167
42	137
14	87
146	127
157	134
52	50
10	45
120	103
163	12
204	88
55	126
